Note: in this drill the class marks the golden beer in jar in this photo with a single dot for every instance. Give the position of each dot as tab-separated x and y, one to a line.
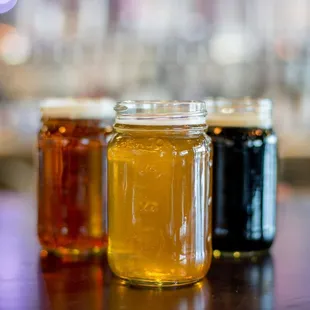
72	178
159	174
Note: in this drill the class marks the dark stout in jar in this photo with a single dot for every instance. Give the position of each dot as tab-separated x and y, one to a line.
72	178
244	176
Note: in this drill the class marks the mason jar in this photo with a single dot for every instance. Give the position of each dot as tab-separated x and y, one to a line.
72	211
244	175
158	193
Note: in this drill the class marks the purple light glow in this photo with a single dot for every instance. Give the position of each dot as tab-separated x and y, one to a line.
7	5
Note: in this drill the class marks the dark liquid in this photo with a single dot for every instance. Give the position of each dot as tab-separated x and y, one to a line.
244	188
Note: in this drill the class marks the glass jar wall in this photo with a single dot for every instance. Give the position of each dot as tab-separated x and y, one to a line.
159	201
244	175
72	178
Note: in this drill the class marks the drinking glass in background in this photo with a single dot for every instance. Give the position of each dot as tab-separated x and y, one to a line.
158	194
244	175
72	181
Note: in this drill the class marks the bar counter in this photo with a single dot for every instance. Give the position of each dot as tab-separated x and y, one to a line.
280	280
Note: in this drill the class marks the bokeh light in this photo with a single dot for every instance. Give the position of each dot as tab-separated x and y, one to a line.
7	5
232	47
15	49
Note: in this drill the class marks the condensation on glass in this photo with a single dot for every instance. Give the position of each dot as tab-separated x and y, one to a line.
72	210
244	175
159	202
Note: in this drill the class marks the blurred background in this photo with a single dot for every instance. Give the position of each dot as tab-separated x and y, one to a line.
152	49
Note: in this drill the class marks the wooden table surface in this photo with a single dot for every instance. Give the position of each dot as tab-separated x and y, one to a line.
279	281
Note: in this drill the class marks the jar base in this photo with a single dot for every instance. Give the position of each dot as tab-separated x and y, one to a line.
157	283
72	254
239	254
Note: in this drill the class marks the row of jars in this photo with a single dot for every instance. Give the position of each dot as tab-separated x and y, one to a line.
171	185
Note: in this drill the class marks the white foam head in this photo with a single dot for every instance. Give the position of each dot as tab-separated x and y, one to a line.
239	113
71	108
161	113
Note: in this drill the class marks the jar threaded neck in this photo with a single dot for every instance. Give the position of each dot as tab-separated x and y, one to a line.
161	113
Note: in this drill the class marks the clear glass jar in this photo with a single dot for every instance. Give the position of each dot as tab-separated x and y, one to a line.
244	175
72	214
159	202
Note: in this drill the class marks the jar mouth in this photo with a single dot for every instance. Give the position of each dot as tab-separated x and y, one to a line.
240	112
160	112
159	101
77	108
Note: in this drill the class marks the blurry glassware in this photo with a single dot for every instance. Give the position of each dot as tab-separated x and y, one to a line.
72	180
244	175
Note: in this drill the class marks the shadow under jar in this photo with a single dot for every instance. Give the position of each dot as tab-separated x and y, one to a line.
158	193
244	176
72	210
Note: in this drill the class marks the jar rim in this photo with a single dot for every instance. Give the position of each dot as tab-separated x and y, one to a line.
159	101
160	112
241	102
240	112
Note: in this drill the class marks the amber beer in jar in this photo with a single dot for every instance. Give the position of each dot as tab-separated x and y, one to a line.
158	193
244	175
72	178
